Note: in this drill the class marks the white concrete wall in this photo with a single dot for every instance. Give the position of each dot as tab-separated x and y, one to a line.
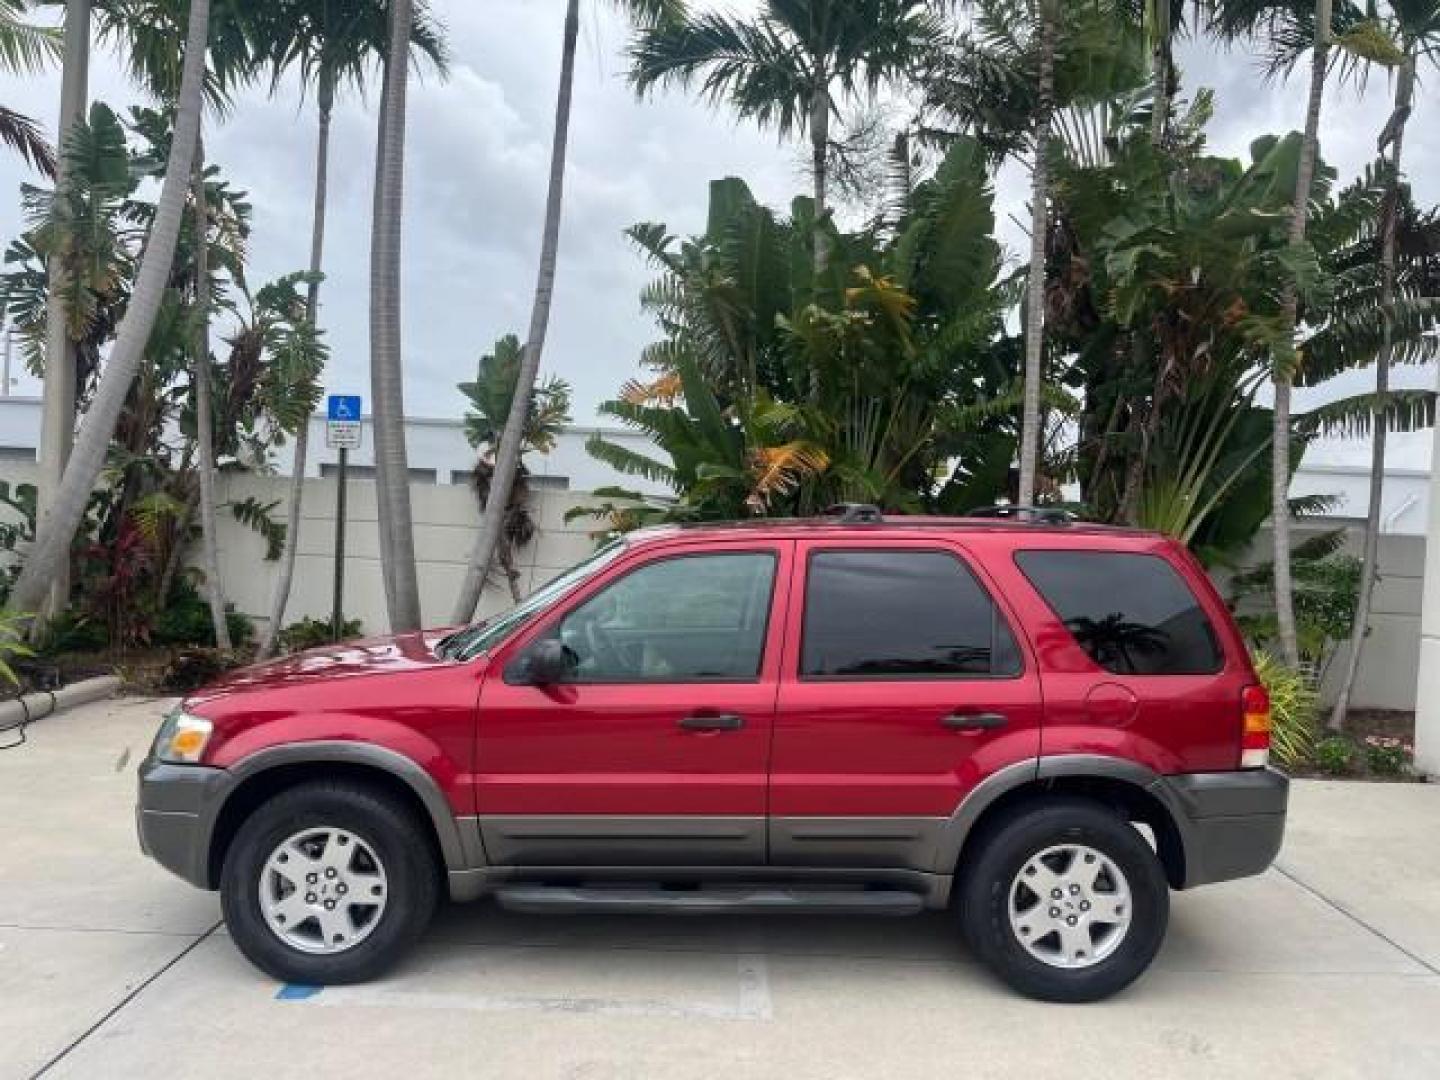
1388	667
446	519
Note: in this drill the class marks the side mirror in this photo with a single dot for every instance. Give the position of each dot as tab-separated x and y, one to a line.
548	662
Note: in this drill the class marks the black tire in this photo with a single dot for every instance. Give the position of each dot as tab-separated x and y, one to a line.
1005	848
400	841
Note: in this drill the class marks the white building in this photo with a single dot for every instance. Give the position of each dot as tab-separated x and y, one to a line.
437	451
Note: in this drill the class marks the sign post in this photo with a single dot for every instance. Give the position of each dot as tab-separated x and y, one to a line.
342	432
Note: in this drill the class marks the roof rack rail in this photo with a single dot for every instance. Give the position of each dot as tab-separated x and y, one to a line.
1036	515
855	514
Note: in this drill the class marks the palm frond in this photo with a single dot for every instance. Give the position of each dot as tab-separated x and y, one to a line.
1354	417
23	135
629	462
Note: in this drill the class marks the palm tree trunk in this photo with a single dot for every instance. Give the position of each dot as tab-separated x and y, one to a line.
1160	68
1284	373
283	583
204	407
1035	286
1404	100
57	427
819	171
55	534
507	454
392	487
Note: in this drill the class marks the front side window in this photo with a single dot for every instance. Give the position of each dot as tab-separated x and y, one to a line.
901	614
1132	613
473	640
695	618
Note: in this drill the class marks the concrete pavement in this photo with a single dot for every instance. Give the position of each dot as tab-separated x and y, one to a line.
1328	966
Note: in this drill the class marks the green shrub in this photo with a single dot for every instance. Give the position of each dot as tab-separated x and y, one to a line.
186	621
75	632
13	626
1335	755
1293	702
1387	756
312	633
241	627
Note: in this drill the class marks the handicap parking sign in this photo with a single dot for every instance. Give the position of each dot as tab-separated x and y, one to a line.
342	422
344	407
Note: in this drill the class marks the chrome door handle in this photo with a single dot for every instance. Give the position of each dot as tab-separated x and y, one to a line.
987	721
713	722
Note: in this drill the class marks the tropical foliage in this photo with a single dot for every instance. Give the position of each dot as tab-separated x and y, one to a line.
888	376
129	551
491	396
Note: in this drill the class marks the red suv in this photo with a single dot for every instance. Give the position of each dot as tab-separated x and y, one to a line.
1043	726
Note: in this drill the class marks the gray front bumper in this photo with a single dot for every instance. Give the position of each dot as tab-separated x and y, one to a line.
1231	823
175	816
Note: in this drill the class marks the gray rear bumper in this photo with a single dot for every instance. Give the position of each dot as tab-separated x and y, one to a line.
1231	823
175	816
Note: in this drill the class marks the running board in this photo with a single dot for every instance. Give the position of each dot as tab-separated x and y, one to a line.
759	900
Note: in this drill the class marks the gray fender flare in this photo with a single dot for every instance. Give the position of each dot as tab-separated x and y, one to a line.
459	838
957	830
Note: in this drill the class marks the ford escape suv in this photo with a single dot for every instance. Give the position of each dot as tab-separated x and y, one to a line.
1042	726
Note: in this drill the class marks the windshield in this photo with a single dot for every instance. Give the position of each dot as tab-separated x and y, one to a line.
473	640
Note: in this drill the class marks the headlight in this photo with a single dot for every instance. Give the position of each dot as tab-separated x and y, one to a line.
182	739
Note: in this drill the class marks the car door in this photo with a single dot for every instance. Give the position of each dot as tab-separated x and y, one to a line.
904	684
654	750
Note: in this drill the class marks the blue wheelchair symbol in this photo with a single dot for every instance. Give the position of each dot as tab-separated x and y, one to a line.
344	407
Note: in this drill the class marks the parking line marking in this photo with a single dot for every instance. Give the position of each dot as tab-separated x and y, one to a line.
752	1000
296	992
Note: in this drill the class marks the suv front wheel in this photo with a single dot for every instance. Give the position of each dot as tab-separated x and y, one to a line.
328	883
1065	901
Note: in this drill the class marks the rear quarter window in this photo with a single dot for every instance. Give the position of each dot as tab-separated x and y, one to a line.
1133	614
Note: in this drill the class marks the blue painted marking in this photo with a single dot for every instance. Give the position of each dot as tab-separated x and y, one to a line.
297	992
343	407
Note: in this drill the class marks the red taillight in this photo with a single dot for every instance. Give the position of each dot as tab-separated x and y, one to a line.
1255	729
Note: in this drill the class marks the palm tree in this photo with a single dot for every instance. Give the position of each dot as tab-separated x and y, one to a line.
491	398
334	43
392	487
57	428
1286	21
656	14
152	29
1010	80
792	67
54	535
204	408
1415	28
1047	14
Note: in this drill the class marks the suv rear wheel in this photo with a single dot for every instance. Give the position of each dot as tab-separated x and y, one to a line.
328	883
1065	901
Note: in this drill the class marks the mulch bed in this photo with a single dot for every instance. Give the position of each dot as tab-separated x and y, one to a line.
1361	724
151	671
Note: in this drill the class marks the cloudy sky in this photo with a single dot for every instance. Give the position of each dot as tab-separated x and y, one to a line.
476	165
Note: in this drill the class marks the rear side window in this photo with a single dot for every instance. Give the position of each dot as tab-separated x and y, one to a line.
901	614
1133	614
